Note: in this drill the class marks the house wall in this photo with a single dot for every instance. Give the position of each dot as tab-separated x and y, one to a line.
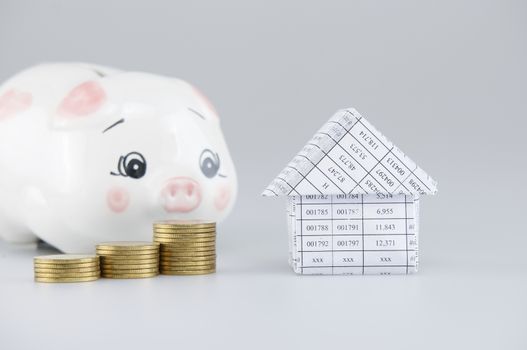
353	234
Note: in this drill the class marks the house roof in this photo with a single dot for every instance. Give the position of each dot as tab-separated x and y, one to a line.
349	156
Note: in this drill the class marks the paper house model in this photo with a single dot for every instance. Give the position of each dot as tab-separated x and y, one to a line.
353	201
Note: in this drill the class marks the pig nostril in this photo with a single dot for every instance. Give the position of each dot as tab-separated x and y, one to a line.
181	195
173	190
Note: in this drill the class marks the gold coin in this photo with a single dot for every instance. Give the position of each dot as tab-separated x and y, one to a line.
197	246
188	258
170	241
67	275
186	231
129	266
182	249
184	223
66	266
173	245
130	275
182	273
172	261
188	254
66	280
65	259
60	270
170	249
187	263
185	236
130	257
130	251
198	250
130	262
191	267
122	266
183	266
128	272
187	268
175	242
182	259
120	246
103	252
175	260
179	244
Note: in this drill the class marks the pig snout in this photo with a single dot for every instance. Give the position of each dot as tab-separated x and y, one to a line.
180	195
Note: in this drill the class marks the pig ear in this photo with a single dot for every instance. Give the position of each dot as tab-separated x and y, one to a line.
83	100
84	106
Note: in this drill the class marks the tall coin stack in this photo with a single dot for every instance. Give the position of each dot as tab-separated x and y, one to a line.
66	268
129	259
187	247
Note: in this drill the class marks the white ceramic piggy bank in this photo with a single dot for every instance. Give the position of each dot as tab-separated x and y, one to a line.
91	154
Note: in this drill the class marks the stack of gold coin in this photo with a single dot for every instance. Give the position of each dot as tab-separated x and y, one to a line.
187	247
66	268
129	259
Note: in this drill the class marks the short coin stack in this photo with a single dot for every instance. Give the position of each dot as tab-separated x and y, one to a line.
129	259
66	268
187	247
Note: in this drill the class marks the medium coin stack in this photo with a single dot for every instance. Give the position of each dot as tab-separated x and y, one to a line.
66	268
187	247
129	259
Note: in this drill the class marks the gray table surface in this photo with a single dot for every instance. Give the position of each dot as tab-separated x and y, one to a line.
255	301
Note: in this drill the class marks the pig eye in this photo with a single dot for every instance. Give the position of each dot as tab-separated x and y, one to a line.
132	165
209	163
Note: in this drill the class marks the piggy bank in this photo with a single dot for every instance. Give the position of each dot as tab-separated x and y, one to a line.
91	154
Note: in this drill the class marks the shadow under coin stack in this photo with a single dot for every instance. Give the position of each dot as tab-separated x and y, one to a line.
66	268
187	247
129	259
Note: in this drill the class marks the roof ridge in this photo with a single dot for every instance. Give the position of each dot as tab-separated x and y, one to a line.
348	155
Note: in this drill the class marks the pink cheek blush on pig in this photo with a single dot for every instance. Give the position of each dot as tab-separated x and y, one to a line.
90	154
117	199
222	199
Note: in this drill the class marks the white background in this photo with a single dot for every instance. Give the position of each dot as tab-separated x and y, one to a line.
445	81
